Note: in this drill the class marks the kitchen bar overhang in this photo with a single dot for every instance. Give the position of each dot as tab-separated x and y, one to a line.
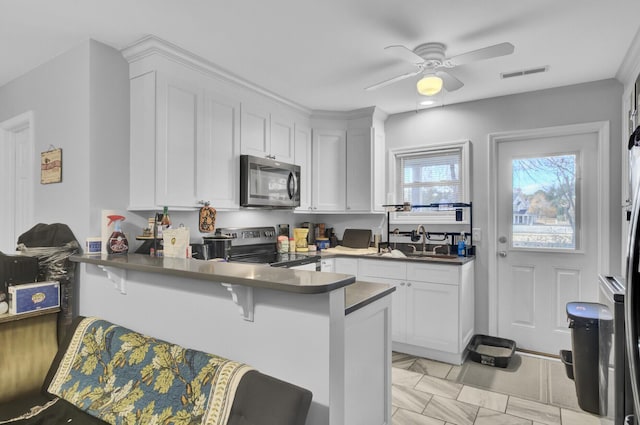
316	330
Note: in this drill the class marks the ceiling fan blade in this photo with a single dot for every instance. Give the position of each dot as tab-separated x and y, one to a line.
449	82
405	54
393	80
496	50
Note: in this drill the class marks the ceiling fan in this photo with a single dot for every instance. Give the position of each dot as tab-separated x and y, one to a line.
431	61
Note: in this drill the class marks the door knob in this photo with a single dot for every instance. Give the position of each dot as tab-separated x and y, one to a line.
502	253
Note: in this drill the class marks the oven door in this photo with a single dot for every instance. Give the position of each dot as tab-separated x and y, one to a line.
268	183
311	267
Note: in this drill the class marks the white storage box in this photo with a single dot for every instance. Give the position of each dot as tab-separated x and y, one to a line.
33	296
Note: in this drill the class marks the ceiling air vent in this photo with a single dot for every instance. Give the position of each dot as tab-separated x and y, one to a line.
524	72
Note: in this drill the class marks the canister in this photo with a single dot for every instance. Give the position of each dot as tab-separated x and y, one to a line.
322	243
300	235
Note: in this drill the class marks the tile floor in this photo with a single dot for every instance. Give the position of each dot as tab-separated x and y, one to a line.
425	392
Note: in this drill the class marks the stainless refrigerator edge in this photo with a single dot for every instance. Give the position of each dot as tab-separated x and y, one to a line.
632	296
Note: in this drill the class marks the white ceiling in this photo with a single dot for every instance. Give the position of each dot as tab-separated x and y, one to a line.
322	53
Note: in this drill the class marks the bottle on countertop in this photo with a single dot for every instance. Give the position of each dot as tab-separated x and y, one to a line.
161	224
117	243
165	222
333	240
283	244
292	245
462	245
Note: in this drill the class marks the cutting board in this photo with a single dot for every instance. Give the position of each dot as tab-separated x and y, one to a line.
356	238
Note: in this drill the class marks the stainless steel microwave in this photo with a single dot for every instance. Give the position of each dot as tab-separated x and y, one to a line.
266	183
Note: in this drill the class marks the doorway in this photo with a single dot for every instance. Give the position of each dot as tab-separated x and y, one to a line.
16	179
549	217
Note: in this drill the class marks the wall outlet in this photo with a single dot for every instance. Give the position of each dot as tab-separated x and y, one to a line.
476	233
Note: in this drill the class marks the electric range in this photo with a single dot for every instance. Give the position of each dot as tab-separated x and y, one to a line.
259	245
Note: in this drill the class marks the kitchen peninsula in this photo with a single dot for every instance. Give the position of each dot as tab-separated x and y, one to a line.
322	331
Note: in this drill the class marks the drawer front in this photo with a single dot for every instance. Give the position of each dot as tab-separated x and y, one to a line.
382	269
434	273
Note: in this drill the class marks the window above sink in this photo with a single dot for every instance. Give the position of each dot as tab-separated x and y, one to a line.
433	174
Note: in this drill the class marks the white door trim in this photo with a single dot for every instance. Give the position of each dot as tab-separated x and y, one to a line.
602	130
23	208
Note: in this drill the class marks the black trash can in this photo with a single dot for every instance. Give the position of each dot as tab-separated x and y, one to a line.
591	328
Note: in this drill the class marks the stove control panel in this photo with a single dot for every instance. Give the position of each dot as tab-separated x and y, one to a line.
249	235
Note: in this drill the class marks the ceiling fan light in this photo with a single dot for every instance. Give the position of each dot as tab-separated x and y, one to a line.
429	85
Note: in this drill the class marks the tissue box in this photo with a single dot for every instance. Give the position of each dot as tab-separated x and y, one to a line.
33	296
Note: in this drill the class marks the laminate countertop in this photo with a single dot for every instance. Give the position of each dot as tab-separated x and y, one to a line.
361	294
253	275
373	254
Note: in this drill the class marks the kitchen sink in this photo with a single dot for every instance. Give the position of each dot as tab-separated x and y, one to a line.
433	256
416	255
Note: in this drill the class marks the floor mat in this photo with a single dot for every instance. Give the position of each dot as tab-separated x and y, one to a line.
562	390
525	377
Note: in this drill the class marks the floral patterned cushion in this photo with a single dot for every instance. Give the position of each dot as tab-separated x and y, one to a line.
123	377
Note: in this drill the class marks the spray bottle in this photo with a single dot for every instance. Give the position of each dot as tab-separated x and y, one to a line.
462	245
117	243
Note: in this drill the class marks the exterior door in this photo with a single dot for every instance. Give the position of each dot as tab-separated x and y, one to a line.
547	232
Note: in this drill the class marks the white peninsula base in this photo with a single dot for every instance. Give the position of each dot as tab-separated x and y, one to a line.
305	339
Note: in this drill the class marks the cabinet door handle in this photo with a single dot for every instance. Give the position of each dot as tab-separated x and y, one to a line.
408	284
401	283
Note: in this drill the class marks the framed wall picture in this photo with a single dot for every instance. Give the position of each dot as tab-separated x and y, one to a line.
51	166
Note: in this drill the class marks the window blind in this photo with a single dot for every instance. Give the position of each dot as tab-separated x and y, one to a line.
431	176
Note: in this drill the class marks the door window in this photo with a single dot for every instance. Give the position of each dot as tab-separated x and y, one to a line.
545	208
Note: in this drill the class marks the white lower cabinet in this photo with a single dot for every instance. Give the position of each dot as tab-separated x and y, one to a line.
434	327
346	265
367	374
327	265
432	307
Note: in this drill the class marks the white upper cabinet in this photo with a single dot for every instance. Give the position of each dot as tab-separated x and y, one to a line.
365	170
178	110
379	168
142	152
358	182
328	192
302	139
184	145
189	124
218	166
266	134
349	165
254	131
282	138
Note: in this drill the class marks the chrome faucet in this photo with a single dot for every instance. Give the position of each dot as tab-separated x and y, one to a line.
424	237
434	251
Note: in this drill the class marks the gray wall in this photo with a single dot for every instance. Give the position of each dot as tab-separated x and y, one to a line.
598	101
80	101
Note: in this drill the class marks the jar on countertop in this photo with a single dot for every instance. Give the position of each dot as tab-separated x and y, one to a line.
292	245
322	243
283	244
